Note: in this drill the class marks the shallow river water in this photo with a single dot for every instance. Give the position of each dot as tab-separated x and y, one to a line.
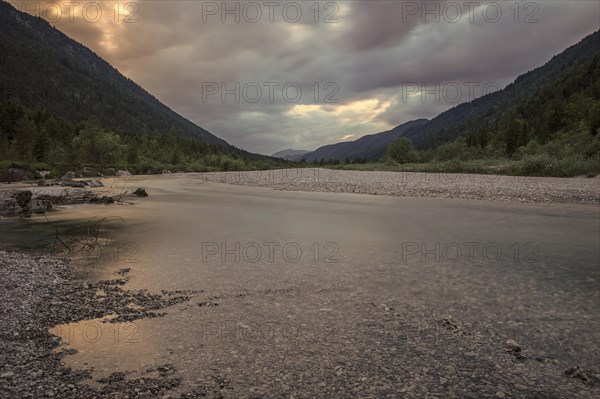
291	285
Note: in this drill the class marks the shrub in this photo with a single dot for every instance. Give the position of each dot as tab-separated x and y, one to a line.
402	151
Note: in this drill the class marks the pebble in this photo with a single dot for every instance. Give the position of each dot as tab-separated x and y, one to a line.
513	346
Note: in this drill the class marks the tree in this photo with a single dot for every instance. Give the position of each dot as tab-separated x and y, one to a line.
25	133
98	146
176	157
41	145
401	150
10	113
133	154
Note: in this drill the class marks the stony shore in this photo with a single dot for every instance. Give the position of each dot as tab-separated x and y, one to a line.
546	190
29	199
37	293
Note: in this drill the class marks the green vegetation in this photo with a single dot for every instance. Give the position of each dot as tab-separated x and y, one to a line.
402	151
44	69
546	123
566	154
530	166
38	140
64	108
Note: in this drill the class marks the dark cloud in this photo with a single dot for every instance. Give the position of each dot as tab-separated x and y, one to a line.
373	54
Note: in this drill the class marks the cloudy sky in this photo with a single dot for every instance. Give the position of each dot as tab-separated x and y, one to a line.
270	75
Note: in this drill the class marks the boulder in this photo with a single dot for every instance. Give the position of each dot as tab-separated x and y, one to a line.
38	205
123	173
73	183
23	198
140	192
96	183
9	206
69	176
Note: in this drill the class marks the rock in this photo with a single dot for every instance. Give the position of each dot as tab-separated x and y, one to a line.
140	192
13	175
96	183
500	394
38	205
43	183
23	198
8	374
69	176
513	346
102	200
67	180
587	376
89	172
72	183
470	354
123	173
520	387
9	206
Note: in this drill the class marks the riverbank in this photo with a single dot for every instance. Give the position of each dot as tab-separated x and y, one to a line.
541	190
28	199
38	293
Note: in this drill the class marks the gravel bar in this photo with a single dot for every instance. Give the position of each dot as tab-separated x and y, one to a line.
37	293
546	190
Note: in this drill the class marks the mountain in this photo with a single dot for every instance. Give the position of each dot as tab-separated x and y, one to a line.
42	68
556	97
560	98
370	147
289	154
63	108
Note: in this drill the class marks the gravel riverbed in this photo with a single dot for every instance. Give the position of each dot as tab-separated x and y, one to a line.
37	293
463	361
577	190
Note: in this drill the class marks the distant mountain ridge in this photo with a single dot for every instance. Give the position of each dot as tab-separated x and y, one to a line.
531	100
44	69
370	147
485	114
289	154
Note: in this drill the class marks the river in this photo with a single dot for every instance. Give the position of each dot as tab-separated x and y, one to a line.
292	287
